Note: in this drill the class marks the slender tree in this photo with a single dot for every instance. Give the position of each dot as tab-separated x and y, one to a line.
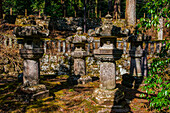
130	12
96	8
47	4
109	6
1	11
116	10
85	27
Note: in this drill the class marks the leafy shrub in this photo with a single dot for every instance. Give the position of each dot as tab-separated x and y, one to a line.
157	84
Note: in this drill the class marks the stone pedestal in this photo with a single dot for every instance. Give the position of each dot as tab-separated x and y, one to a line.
107	98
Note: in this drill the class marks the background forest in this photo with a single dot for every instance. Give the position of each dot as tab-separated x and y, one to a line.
69	8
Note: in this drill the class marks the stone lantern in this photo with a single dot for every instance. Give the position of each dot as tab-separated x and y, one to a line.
136	53
79	40
107	53
31	52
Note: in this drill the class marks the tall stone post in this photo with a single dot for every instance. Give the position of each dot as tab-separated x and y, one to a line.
31	53
45	46
68	47
160	32
64	46
5	41
10	42
59	45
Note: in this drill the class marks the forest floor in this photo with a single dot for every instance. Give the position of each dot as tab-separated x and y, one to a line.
65	98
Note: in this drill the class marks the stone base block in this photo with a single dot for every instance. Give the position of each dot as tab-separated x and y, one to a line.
107	98
33	92
41	95
85	80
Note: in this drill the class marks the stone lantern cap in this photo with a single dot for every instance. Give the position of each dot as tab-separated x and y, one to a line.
136	45
32	27
79	29
108	54
30	31
108	16
108	29
79	38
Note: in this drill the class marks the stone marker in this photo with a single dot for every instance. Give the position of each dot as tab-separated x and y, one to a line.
31	53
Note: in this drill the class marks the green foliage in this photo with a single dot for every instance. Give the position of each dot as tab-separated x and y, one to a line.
156	9
38	5
54	8
157	83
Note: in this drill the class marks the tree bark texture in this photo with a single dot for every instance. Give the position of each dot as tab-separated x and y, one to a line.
130	12
1	11
117	4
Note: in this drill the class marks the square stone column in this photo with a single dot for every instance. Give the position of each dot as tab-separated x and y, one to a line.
136	54
79	67
107	75
31	72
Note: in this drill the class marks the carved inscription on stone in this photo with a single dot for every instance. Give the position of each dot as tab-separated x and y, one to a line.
79	67
107	75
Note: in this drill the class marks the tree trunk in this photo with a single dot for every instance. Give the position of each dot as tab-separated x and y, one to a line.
109	6
117	10
85	27
47	4
96	8
1	11
130	12
39	13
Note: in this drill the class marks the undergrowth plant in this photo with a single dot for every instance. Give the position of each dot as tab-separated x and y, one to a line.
157	84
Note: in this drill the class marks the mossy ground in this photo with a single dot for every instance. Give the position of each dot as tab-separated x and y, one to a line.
65	98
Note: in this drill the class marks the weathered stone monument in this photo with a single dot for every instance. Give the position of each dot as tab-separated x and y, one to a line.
31	52
79	55
107	53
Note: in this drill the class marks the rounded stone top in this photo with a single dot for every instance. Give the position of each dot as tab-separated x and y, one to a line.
108	16
79	29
